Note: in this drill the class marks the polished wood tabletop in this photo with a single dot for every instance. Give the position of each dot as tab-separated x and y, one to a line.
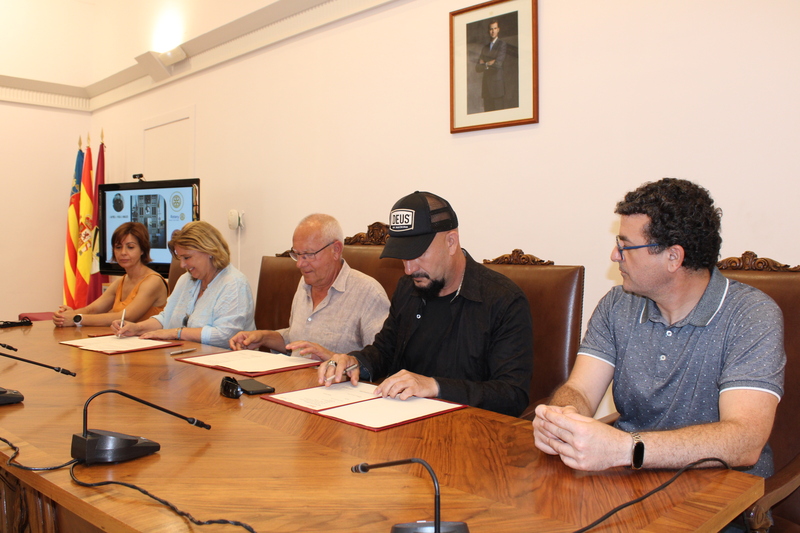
280	469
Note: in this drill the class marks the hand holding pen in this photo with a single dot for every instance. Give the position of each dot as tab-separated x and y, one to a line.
121	323
334	370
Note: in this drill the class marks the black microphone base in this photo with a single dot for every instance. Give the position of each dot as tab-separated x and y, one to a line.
100	446
428	527
10	396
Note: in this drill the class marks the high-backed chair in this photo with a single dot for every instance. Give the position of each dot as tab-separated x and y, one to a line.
782	284
555	297
277	283
361	251
175	271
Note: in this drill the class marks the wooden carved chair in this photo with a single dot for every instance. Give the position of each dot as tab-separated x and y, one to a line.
175	271
362	252
555	297
782	284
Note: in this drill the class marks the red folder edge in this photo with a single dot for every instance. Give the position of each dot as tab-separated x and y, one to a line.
269	397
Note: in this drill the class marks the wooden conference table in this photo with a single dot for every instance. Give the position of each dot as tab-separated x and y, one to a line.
281	469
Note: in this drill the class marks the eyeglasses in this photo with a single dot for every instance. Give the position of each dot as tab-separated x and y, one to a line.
310	256
621	248
230	388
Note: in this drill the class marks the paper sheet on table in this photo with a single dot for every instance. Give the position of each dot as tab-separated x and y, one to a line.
318	398
250	361
387	412
358	405
110	344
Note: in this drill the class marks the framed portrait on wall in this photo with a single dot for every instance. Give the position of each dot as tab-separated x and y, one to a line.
494	65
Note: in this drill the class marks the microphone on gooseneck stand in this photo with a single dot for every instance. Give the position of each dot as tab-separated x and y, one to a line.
422	526
98	446
12	396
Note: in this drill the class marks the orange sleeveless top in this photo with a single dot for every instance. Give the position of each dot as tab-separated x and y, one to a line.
120	304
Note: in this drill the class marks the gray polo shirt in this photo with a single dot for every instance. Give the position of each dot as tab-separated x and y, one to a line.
668	376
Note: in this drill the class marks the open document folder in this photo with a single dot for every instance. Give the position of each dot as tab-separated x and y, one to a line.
357	405
249	362
111	344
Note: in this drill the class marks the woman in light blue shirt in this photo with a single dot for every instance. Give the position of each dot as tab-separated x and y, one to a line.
210	303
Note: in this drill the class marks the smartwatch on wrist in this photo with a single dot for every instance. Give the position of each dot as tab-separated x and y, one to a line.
637	454
77	319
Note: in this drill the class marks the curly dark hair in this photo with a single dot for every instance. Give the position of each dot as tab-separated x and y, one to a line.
682	213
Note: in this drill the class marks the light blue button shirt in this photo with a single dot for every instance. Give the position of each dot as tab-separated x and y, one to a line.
225	309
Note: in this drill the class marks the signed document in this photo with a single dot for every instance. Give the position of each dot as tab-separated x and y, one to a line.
358	405
250	362
111	344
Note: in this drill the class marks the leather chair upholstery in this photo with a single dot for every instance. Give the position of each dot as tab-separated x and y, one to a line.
175	271
782	284
555	297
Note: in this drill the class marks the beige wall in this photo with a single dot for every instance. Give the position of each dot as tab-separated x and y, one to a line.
348	118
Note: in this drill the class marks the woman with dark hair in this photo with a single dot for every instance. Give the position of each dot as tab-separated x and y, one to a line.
141	292
210	303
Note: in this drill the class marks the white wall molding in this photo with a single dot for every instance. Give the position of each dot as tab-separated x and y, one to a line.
279	21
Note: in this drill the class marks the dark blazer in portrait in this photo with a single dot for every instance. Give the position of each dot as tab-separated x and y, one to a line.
493	85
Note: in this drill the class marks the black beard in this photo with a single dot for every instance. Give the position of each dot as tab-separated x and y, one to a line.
431	291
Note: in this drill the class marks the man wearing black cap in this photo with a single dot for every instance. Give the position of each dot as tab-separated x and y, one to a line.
456	330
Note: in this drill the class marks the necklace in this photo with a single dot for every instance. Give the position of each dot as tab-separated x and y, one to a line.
459	286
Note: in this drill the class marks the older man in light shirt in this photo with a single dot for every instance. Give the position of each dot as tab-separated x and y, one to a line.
335	308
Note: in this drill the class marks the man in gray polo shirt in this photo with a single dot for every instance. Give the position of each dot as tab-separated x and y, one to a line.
696	359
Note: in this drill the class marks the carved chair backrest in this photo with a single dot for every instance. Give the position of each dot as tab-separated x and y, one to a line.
555	297
781	283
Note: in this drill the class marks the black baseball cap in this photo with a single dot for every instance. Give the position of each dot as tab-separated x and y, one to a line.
413	223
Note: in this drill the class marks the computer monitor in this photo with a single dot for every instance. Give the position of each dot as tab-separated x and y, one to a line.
162	206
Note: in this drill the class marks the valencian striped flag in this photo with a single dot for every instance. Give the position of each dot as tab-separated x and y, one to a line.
85	232
97	279
71	252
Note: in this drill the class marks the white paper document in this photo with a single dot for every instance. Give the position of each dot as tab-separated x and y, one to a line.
110	344
387	412
251	361
319	398
358	405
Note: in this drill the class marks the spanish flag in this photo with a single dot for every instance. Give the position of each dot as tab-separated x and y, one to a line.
97	279
73	239
86	233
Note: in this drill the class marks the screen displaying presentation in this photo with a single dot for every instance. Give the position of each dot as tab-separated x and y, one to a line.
162	206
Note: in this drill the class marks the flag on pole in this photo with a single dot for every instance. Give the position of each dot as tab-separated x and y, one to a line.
86	232
97	279
73	239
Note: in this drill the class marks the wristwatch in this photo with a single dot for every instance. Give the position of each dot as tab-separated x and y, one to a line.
637	454
77	319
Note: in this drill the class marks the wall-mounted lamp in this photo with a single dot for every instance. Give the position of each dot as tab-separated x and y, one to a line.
156	65
173	56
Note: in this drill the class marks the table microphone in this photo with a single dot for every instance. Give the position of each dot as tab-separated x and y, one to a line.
98	446
12	396
422	526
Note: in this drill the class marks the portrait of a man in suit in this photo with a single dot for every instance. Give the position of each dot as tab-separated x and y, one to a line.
495	77
490	62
